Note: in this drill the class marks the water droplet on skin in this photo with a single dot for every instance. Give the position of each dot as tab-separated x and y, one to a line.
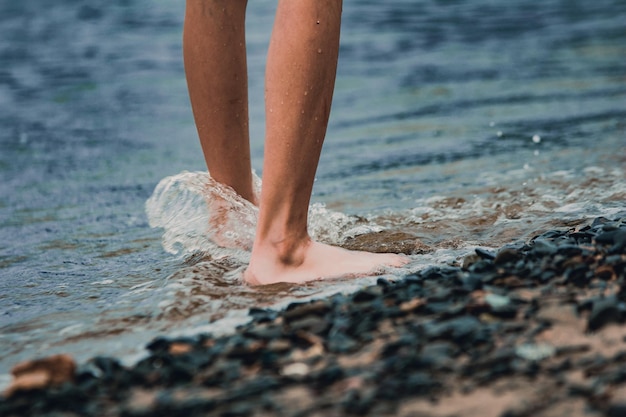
319	51
318	22
306	92
536	138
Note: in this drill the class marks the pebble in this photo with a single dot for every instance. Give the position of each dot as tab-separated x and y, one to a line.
41	373
535	352
605	311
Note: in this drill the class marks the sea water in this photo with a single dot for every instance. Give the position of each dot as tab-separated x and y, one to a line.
454	125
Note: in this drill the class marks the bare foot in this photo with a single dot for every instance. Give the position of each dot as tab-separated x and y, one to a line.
314	261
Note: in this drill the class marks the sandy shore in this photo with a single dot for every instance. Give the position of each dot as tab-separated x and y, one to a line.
532	330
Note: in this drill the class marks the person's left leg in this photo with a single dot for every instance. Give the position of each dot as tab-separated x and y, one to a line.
300	78
214	52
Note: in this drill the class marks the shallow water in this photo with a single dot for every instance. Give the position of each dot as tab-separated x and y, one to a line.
454	125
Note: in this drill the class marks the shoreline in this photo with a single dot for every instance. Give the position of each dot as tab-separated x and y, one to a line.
536	329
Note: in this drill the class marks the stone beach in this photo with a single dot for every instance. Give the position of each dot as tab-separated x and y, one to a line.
533	329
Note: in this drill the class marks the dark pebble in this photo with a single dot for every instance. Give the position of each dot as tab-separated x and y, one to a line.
367	294
604	311
617	409
578	275
485	254
341	343
542	248
296	310
472	282
262	315
507	256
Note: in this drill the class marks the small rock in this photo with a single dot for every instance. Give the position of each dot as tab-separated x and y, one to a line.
618	409
470	260
297	369
542	247
485	254
341	343
367	294
497	301
607	238
578	275
180	348
507	255
412	305
297	310
604	311
535	352
42	373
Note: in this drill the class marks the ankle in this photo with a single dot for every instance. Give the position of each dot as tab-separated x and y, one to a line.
285	250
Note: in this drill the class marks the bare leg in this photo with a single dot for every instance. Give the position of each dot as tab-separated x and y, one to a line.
215	65
300	77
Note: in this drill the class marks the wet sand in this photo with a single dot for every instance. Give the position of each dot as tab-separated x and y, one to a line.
534	329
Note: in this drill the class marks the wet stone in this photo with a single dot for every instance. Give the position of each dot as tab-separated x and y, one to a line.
439	354
313	324
262	315
481	266
382	282
367	294
412	279
605	311
617	409
542	247
607	238
579	275
265	332
341	343
485	254
506	255
298	310
569	250
470	260
357	403
472	282
42	373
552	235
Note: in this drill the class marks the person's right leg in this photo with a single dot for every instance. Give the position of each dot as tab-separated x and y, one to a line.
214	52
300	77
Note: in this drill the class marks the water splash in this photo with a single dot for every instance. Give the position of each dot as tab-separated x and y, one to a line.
201	216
